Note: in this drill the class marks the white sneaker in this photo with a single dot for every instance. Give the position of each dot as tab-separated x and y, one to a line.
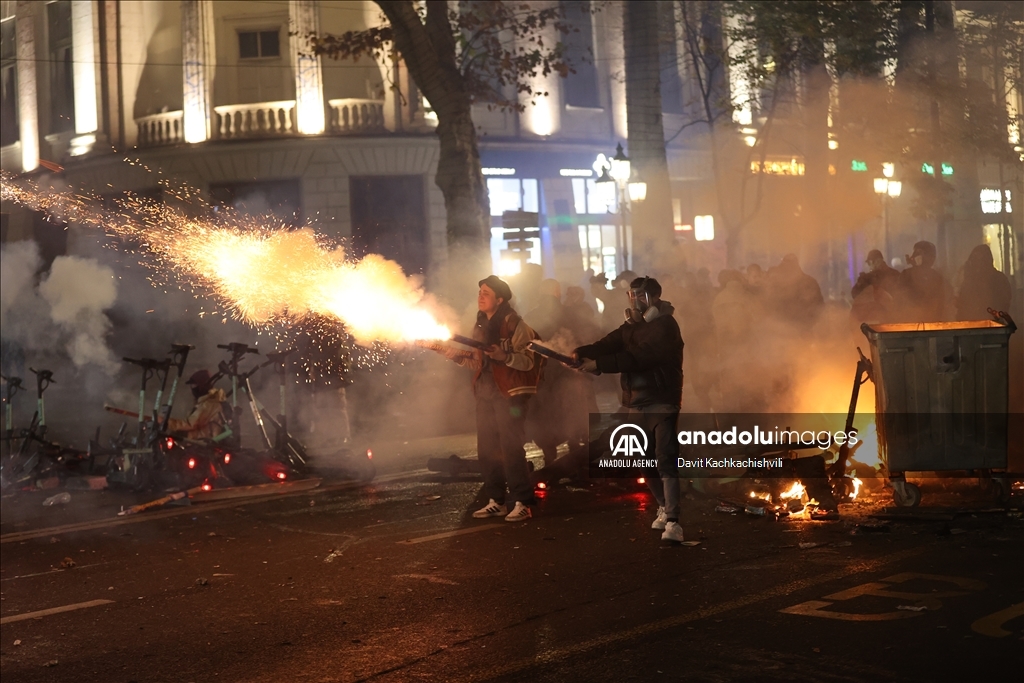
673	532
519	513
661	520
492	509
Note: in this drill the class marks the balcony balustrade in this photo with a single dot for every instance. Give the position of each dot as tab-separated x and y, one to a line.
264	120
351	115
160	129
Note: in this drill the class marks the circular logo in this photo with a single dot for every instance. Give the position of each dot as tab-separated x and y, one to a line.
628	440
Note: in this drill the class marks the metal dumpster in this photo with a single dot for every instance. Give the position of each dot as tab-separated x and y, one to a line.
941	398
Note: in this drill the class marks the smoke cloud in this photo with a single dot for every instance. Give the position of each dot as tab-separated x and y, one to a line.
65	313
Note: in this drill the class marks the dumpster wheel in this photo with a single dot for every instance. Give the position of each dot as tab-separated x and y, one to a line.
905	494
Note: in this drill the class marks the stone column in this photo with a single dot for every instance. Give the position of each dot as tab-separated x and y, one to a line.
83	48
304	17
198	60
28	105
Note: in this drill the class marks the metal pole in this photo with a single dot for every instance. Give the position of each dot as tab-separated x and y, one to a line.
885	213
625	235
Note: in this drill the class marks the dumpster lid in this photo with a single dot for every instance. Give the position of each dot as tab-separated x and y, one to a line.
961	325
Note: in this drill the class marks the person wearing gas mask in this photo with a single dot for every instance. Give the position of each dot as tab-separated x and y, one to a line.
647	350
507	374
922	294
207	420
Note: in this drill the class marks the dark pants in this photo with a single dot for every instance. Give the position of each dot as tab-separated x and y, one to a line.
500	435
659	422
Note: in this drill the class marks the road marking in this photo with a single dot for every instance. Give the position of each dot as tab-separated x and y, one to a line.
54	610
449	534
646	630
815	608
190	510
880	589
54	571
430	578
992	624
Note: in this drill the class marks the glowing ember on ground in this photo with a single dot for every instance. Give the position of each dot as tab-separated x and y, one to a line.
258	273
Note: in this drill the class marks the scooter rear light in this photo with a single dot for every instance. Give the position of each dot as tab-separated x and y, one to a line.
369	454
282	476
541	485
191	463
169	442
227	458
207	486
641	480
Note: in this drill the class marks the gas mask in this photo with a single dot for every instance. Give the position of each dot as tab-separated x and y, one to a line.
641	304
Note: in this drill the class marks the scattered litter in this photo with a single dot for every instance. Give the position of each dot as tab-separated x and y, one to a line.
690	543
67	563
805	546
333	555
212	533
721	507
223	574
756	510
870	529
911	608
202	582
52	662
432	498
312	503
17	643
60	499
957	531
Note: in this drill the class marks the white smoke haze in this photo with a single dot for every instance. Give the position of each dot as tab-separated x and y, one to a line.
64	315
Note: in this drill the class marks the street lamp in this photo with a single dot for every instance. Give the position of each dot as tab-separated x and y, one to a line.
619	170
887	188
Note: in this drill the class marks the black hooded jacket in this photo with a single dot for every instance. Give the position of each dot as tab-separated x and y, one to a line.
648	354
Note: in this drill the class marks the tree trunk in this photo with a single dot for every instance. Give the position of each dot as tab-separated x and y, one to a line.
652	218
428	49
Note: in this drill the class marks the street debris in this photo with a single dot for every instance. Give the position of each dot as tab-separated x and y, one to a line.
52	662
59	499
332	556
202	582
727	508
809	545
690	543
67	563
911	608
17	643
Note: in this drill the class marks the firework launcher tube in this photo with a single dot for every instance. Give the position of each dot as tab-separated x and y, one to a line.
466	341
554	355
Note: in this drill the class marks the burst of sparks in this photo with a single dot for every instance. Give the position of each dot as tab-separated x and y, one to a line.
253	271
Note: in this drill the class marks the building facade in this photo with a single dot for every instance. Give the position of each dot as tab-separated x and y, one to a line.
224	96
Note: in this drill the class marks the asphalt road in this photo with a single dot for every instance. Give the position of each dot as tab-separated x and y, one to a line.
394	582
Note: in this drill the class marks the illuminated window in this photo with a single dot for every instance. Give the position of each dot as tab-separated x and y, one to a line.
990	201
592	197
778	166
512	194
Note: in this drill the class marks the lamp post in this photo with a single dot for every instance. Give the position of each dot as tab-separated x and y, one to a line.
627	184
887	188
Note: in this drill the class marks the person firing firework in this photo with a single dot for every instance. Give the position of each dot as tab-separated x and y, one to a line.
647	350
507	373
